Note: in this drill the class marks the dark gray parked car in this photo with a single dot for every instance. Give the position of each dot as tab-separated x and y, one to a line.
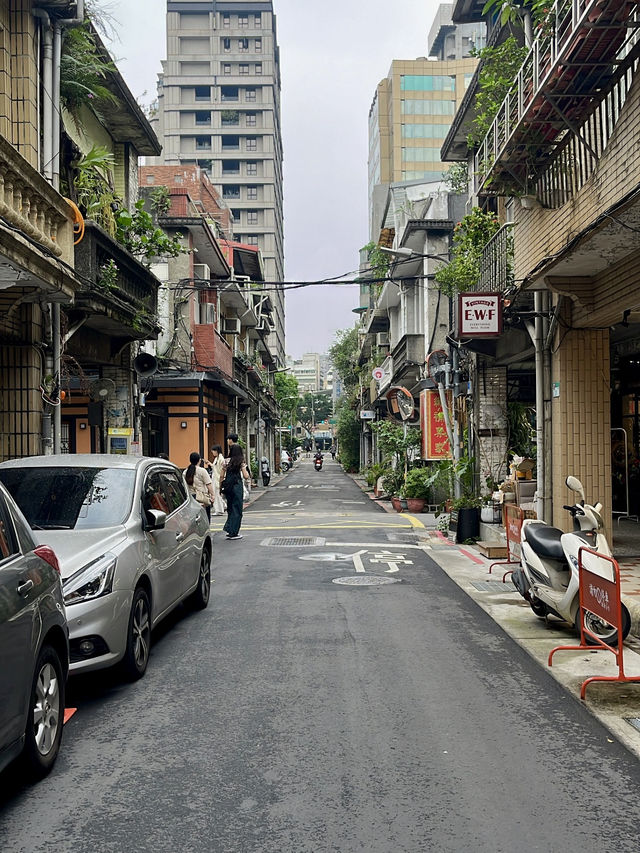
34	649
131	541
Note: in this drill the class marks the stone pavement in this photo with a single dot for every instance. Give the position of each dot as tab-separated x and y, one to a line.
629	565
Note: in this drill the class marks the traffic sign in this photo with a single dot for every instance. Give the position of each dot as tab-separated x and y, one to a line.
378	374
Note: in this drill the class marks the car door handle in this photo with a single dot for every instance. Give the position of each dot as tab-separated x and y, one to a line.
25	587
179	536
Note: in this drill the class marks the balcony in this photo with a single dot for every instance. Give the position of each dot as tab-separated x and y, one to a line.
585	48
211	351
126	310
408	357
496	264
36	237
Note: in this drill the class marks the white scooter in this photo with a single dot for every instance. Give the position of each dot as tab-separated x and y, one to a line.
549	579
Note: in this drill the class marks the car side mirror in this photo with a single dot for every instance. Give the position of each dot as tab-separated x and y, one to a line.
155	519
575	485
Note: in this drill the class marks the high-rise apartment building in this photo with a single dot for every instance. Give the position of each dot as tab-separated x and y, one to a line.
219	108
410	116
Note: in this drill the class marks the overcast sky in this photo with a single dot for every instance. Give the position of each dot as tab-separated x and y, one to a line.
333	55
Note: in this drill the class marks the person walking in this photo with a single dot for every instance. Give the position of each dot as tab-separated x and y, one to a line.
199	483
217	470
235	471
265	470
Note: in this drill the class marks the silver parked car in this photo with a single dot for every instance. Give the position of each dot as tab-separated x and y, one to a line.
132	545
34	648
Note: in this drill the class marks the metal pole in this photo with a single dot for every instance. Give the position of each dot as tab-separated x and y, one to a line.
539	363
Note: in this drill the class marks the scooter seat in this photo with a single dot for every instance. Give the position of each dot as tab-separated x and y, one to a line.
544	540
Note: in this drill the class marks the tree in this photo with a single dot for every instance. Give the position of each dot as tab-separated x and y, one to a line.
344	357
286	394
348	435
314	407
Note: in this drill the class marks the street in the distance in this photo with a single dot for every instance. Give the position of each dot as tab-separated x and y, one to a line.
340	693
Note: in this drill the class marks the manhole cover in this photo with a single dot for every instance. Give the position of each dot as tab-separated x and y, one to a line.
292	541
365	580
493	586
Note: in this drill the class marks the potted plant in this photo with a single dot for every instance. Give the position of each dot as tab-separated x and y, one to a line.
417	488
465	517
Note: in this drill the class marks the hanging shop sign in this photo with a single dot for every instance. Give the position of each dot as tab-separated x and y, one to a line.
435	444
367	415
400	403
479	315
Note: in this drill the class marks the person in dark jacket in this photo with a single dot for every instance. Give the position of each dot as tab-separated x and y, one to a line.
235	471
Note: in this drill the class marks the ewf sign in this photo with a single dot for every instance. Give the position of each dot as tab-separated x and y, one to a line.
479	315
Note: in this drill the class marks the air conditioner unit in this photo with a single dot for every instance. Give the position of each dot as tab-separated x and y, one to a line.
242	279
231	326
202	271
207	314
382	339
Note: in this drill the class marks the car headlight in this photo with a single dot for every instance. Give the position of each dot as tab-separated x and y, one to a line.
91	581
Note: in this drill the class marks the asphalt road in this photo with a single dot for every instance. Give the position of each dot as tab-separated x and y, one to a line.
386	713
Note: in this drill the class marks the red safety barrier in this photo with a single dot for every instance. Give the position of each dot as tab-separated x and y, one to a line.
601	596
513	518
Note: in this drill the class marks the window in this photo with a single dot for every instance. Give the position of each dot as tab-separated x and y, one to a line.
252	193
153	495
236	213
226	21
203	117
243	20
229	117
230	167
226	68
204	164
243	45
203	143
8	544
250	119
174	490
423	154
73	498
231	191
252	168
428	108
257	45
252	217
203	93
258	69
243	68
250	94
427	83
257	20
425	131
226	44
228	93
230	143
251	143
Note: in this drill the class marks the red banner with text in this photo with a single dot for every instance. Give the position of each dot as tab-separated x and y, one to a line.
435	444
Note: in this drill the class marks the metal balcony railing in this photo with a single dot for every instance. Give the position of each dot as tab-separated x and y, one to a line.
496	265
583	48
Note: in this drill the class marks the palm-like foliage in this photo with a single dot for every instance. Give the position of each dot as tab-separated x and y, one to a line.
83	71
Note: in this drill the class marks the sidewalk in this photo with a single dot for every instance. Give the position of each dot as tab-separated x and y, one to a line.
629	566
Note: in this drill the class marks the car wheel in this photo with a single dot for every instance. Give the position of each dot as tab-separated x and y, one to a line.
46	714
136	656
200	597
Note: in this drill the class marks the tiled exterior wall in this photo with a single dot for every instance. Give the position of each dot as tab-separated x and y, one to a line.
24	81
491	426
581	421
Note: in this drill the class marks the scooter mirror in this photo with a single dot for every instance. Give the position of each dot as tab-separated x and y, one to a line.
575	485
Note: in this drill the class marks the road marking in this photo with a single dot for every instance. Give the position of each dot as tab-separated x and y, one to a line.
346	526
376	545
357	560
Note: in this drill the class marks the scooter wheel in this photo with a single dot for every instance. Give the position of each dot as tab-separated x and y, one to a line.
603	630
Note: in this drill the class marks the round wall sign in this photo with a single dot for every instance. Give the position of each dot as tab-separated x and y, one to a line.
378	374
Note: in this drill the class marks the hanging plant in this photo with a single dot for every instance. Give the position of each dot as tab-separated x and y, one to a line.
83	71
470	236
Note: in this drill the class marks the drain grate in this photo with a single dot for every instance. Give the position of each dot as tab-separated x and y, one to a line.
293	541
365	580
493	586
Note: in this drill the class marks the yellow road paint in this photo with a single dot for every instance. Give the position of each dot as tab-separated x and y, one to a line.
415	522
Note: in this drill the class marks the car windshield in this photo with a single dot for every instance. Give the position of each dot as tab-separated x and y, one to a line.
60	498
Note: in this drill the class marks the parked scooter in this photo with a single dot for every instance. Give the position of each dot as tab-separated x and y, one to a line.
548	578
317	461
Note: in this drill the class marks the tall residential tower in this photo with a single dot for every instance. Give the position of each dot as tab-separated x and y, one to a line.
219	108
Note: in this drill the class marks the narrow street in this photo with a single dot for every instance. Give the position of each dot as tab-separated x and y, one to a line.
340	693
